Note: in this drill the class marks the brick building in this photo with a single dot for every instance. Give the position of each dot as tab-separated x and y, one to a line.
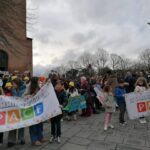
18	55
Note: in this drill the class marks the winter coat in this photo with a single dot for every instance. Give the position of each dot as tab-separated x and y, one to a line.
140	88
119	95
109	103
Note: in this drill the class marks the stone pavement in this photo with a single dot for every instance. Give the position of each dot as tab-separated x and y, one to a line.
88	134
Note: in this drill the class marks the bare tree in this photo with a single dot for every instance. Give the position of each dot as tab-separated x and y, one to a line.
72	64
101	58
114	61
86	59
145	58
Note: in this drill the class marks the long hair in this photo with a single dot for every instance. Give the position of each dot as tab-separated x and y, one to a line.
107	88
18	82
34	85
145	84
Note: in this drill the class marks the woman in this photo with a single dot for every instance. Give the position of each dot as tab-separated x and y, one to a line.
36	131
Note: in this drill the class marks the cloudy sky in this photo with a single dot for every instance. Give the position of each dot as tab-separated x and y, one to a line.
63	29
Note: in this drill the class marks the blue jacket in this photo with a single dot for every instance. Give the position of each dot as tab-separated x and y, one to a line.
119	95
19	92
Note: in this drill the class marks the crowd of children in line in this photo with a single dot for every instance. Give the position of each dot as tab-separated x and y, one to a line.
113	88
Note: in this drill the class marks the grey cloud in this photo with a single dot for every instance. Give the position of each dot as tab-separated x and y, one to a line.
79	38
71	26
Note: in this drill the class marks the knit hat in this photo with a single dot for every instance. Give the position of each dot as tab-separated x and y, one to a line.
42	78
13	78
71	84
8	84
26	78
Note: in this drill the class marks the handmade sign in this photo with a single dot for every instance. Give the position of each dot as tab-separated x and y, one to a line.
138	104
75	103
100	95
23	112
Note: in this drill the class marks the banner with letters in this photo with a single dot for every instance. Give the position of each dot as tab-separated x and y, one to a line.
75	103
138	104
18	113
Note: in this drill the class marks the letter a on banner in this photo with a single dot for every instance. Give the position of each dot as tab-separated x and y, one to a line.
13	116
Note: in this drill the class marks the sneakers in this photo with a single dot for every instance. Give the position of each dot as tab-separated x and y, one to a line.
52	139
111	126
142	120
22	142
44	140
105	127
123	123
37	143
58	140
75	117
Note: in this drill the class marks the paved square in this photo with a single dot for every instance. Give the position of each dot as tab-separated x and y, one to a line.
88	134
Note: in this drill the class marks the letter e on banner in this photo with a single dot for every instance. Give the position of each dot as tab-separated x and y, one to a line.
38	109
141	107
2	118
13	116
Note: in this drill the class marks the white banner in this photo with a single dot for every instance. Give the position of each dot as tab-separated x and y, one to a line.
138	104
23	112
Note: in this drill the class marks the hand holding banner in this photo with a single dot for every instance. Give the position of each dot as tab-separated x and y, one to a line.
23	112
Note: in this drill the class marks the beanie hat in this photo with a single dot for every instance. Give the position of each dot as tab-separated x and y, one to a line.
26	78
8	84
71	84
42	78
13	78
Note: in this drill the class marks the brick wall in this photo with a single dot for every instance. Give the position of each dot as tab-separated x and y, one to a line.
21	60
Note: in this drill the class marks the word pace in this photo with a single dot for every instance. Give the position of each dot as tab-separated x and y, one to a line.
17	115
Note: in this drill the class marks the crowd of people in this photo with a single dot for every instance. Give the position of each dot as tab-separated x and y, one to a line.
113	86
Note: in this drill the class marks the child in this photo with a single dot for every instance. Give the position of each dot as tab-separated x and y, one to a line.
109	105
18	89
141	86
72	92
56	121
119	95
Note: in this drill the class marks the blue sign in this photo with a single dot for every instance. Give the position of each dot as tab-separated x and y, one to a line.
75	103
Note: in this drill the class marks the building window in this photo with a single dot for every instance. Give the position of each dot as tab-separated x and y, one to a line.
3	61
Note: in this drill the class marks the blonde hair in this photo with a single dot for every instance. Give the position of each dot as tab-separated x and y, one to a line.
145	84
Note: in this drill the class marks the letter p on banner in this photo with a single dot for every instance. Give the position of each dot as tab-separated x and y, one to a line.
141	107
2	118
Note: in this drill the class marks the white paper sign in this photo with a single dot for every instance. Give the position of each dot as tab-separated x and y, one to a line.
138	104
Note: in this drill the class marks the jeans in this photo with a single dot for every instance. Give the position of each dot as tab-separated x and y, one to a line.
56	126
1	137
36	132
122	108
